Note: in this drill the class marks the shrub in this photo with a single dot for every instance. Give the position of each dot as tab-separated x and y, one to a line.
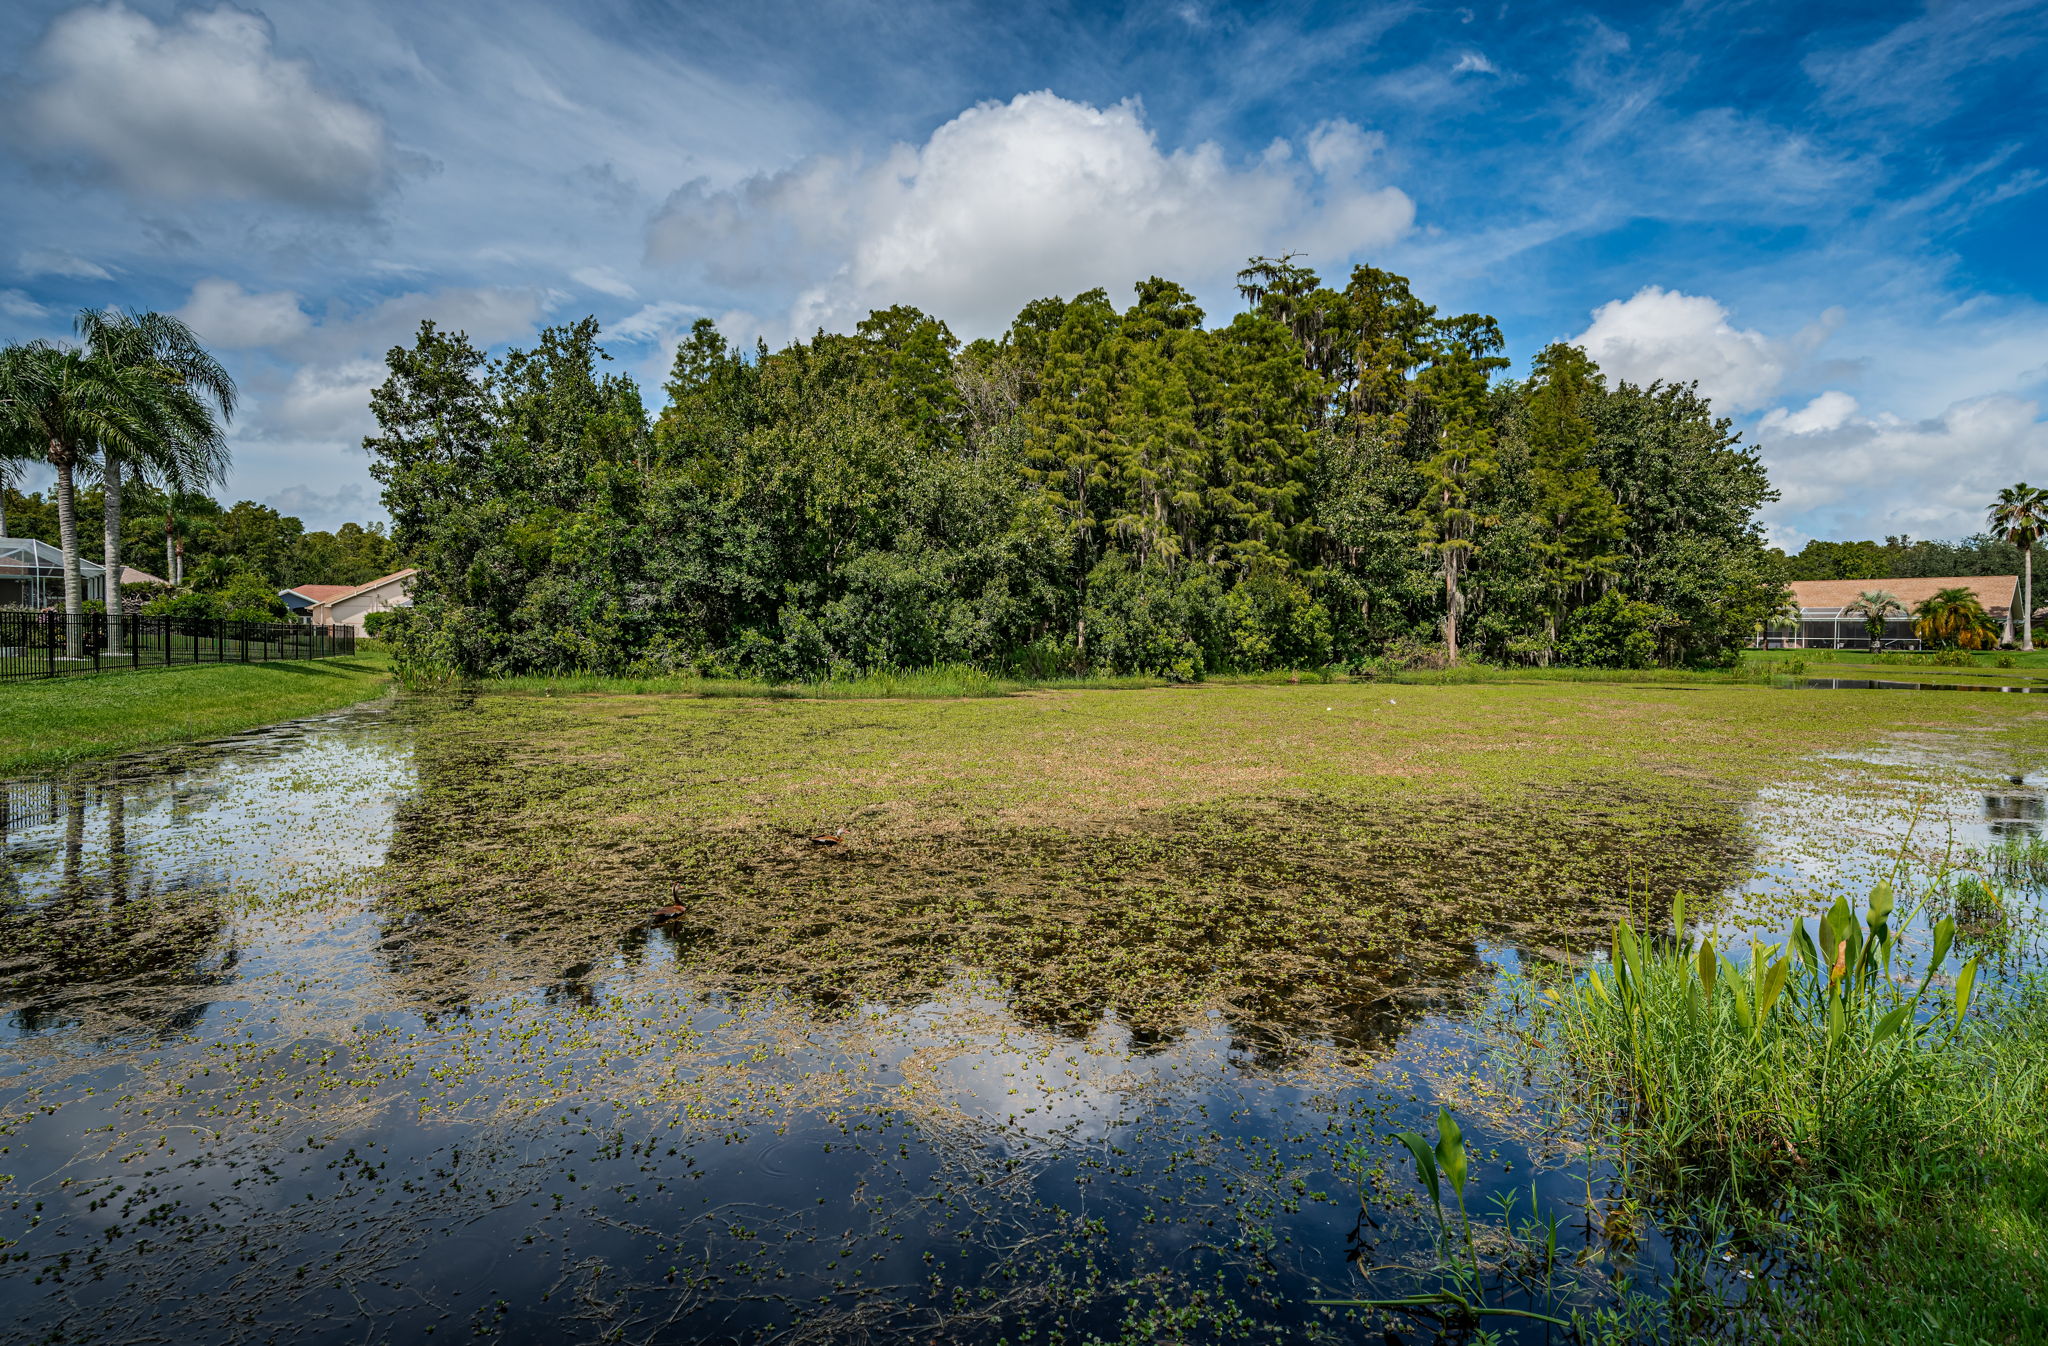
1273	622
1143	619
1613	632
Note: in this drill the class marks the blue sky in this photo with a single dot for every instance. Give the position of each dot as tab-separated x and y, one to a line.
1831	215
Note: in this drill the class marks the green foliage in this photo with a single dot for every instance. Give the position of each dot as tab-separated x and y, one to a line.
1901	557
222	591
1953	619
1326	474
1614	632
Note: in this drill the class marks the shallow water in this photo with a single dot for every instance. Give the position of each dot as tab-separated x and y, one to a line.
1882	685
265	1081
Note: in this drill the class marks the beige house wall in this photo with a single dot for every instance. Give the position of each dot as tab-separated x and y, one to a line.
350	610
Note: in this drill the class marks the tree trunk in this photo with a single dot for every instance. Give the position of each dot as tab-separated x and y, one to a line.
170	555
2027	594
67	543
1453	603
111	546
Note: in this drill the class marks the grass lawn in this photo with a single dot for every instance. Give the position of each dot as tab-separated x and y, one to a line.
2007	668
58	720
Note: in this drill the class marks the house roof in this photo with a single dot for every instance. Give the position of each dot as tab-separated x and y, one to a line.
1994	592
130	575
321	593
334	593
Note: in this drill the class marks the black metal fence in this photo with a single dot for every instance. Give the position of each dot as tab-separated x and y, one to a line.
37	645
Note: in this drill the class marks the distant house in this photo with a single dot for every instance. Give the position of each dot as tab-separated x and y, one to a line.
302	600
343	605
1822	625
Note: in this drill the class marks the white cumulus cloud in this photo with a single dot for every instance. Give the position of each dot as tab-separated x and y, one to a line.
200	107
223	314
1829	411
1011	201
1679	338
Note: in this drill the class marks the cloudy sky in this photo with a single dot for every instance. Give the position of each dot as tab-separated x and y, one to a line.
1832	216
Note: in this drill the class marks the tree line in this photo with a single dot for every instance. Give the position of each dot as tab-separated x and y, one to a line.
1330	475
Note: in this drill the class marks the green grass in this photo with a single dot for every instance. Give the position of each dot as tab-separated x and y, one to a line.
1858	1103
2002	667
943	683
55	721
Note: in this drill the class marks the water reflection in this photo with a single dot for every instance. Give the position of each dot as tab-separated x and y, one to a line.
87	931
1883	685
2014	816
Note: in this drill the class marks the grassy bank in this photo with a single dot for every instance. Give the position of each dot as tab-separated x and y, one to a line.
52	722
1840	1096
961	681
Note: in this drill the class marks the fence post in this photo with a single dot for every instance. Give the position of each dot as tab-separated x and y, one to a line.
133	626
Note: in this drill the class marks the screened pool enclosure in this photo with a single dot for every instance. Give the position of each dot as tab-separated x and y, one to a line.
32	575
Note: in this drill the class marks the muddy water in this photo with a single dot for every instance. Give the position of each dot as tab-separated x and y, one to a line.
277	1069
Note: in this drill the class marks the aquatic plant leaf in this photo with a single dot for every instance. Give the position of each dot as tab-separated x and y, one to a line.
1450	1149
1425	1167
1890	1024
1944	939
1836	1022
1709	964
1802	944
1740	995
1775	977
1966	981
1881	904
1625	961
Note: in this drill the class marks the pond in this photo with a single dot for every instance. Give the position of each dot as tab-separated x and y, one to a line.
339	1032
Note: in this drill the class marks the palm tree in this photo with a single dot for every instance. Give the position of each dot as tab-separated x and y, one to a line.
1874	606
72	405
1954	618
2020	516
193	454
13	452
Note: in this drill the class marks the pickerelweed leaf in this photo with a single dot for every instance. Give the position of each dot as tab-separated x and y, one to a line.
1775	977
1425	1166
1450	1149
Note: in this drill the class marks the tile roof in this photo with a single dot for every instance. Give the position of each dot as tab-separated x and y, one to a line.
1995	592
